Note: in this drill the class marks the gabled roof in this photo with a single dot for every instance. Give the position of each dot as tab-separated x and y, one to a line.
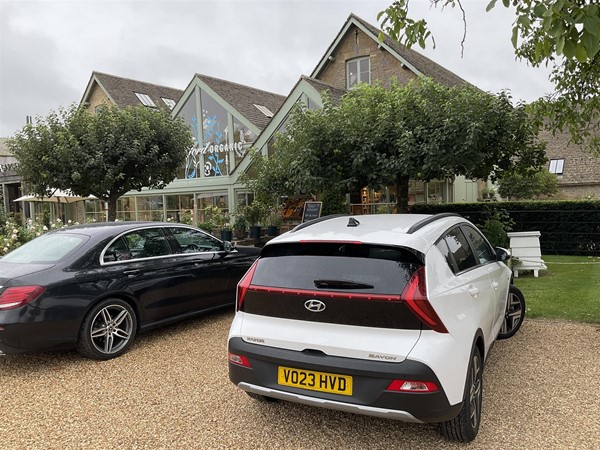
121	91
243	98
335	93
417	63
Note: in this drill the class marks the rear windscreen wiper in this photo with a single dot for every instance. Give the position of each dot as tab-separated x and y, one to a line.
341	284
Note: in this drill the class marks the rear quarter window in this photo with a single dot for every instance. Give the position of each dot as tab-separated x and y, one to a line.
360	268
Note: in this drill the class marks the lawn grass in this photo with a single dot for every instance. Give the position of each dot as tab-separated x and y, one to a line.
569	289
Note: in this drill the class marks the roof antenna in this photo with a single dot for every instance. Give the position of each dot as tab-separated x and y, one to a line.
352	222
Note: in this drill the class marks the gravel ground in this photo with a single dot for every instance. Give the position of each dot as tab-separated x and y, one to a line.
541	390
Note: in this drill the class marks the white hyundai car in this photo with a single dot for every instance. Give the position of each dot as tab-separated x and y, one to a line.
384	315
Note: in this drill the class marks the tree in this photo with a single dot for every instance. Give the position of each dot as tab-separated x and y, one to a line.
105	154
377	137
561	33
516	186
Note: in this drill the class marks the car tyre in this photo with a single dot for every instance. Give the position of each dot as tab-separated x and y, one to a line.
464	427
261	398
108	330
514	313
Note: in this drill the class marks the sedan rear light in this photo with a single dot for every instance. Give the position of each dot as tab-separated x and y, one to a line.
415	297
14	297
412	386
244	284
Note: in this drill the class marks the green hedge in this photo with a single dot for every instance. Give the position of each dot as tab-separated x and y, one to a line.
566	227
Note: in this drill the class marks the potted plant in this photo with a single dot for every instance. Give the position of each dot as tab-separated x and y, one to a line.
275	219
240	226
255	214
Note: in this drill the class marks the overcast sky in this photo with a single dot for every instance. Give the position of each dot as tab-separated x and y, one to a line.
49	48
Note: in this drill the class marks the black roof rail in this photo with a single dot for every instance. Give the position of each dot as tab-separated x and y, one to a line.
426	221
314	221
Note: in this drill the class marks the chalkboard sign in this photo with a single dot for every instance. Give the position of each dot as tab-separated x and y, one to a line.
312	210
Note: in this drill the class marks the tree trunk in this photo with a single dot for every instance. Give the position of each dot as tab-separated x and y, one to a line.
112	208
402	194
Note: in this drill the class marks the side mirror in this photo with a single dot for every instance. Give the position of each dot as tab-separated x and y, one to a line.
228	246
502	254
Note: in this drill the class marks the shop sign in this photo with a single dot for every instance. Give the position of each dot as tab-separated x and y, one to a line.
213	166
10	167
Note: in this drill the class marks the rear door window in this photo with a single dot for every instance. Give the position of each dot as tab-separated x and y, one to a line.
460	250
483	251
343	267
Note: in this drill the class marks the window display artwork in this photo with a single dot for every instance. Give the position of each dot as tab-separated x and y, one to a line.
215	137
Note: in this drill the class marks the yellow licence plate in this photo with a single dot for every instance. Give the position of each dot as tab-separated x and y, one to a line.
315	381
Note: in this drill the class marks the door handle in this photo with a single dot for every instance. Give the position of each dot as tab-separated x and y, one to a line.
495	285
473	291
131	273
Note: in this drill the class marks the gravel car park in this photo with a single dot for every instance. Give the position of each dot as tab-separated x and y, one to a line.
171	391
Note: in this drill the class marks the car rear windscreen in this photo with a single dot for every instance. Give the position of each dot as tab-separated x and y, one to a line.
341	267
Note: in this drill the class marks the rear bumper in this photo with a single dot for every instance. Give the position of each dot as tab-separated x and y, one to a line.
370	380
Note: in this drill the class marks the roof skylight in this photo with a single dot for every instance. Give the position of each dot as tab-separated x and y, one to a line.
264	110
145	99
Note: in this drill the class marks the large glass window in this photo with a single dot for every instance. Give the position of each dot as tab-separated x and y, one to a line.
242	138
150	207
94	211
215	137
126	208
206	201
358	71
193	163
180	208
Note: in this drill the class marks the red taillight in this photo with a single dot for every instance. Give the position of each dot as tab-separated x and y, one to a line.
244	284
14	297
239	360
412	386
415	297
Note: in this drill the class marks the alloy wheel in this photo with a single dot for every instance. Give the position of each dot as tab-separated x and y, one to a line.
512	316
475	391
111	329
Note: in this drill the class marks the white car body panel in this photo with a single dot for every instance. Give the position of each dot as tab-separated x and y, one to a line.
382	344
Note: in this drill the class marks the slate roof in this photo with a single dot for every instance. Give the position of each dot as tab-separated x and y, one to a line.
243	98
423	64
122	90
335	93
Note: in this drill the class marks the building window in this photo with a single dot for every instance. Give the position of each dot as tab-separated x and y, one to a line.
169	102
556	166
145	99
358	71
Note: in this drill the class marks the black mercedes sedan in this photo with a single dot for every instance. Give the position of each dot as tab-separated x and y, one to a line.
93	287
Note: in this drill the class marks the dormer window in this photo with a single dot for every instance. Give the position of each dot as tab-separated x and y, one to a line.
358	71
145	99
556	166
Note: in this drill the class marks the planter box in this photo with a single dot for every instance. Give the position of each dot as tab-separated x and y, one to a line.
525	246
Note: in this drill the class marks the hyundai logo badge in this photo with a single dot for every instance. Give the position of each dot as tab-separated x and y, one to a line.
314	305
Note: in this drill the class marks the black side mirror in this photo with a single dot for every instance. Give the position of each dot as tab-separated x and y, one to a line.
228	246
502	254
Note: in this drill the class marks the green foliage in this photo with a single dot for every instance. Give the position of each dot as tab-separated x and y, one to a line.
255	213
566	227
562	33
496	226
379	137
516	186
105	154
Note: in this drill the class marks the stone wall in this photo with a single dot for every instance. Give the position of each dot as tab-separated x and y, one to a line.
581	171
355	43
